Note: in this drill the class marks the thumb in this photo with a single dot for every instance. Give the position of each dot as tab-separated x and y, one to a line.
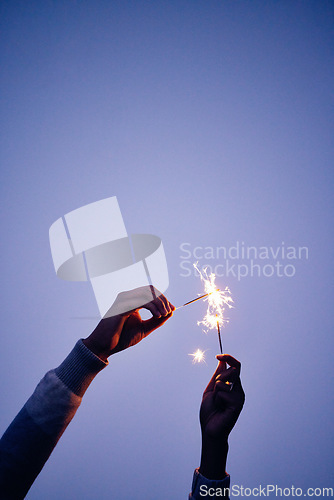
226	358
222	363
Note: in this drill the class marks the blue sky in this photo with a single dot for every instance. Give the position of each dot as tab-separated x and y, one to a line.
212	123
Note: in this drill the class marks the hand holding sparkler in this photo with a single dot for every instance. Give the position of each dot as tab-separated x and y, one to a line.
118	332
222	403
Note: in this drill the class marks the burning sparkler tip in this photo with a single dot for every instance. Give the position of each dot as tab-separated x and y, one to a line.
217	301
198	356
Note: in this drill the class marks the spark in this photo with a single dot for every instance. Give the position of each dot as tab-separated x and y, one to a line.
217	300
198	356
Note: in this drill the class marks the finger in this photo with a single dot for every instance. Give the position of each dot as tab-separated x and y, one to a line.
131	300
223	359
230	360
230	399
231	374
153	323
153	308
223	386
225	381
164	306
237	386
155	295
160	305
168	305
211	385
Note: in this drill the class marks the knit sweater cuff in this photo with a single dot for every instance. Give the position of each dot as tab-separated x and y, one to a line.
79	368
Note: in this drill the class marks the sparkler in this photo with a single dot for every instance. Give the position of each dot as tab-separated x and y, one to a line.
199	356
219	338
217	300
194	300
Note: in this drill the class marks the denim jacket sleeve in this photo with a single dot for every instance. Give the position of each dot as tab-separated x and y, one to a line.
209	488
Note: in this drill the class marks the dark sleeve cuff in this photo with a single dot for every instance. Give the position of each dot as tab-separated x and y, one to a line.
201	485
79	368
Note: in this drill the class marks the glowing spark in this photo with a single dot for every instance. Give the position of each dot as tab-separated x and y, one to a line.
217	301
198	356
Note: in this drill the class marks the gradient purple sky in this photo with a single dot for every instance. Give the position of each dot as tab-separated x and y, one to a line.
212	123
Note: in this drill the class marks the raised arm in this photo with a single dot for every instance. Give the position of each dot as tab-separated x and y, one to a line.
222	403
29	440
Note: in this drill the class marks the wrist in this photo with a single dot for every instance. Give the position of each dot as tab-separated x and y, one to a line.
79	368
213	458
96	348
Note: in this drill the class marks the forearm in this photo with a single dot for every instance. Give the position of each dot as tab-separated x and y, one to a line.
213	458
210	479
221	405
35	431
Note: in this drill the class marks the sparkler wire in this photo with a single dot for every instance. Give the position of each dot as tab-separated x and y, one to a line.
195	300
219	338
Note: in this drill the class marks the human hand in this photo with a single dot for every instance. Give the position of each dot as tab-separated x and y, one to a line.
118	332
222	403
